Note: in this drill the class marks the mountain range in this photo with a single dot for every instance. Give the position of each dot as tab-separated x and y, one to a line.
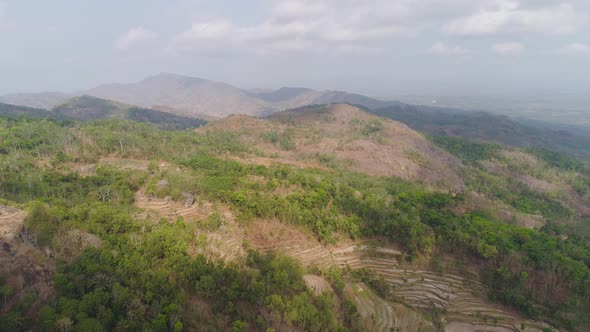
196	96
173	101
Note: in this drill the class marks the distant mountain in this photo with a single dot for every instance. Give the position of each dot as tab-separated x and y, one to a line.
20	111
354	99
90	108
36	100
190	96
491	127
283	94
87	108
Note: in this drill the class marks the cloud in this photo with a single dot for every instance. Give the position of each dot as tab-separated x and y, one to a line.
134	36
295	9
510	17
575	48
508	48
331	26
208	30
297	25
444	49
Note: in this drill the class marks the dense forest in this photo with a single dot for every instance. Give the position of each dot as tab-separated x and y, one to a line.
139	276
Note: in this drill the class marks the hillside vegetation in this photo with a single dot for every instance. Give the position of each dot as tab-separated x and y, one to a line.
482	126
336	220
343	137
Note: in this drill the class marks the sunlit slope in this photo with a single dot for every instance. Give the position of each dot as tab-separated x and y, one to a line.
343	136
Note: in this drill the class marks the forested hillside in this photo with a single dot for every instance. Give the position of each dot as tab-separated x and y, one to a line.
286	223
484	126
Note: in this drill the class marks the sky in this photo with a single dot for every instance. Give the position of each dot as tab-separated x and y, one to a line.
375	47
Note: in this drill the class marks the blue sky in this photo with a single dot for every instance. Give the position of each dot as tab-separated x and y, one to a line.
377	47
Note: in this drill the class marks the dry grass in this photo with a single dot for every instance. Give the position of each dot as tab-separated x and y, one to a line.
317	284
11	222
344	137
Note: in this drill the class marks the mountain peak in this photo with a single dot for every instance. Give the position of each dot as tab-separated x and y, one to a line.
164	76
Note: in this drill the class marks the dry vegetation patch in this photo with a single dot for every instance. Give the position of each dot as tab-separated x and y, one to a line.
26	270
125	163
11	222
344	137
317	284
70	244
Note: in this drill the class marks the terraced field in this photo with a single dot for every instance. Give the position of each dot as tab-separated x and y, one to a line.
317	284
381	315
461	302
171	210
224	243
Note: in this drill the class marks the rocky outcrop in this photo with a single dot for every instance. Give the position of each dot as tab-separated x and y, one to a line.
189	199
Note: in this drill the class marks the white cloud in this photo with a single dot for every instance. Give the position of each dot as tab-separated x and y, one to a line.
358	33
272	31
296	9
444	49
508	48
321	26
134	36
208	30
575	48
510	17
296	25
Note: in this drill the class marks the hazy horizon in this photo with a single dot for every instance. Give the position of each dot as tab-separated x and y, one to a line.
378	48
